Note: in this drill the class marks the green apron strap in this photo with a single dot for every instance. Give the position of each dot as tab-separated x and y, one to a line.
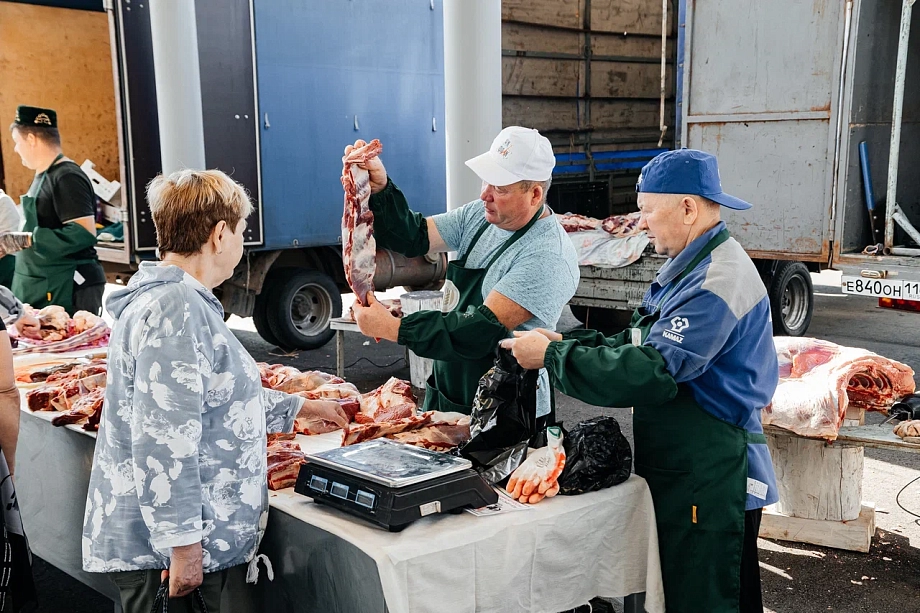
714	242
516	236
462	261
755	438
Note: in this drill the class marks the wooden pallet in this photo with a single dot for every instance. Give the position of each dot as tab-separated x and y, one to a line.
854	535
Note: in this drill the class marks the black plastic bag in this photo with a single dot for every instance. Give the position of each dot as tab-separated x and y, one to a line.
597	455
503	419
906	408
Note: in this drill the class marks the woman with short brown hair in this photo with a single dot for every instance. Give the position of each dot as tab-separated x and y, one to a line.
179	474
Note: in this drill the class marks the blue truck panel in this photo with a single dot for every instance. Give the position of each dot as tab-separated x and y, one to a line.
330	73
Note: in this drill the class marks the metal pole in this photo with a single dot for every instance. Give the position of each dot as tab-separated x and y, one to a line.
895	146
839	130
472	90
174	36
664	64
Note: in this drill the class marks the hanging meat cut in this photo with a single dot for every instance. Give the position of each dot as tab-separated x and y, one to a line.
820	380
359	248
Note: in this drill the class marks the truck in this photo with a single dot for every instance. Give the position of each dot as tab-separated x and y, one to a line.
285	86
800	102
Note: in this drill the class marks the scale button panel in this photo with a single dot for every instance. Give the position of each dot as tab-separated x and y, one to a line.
365	499
318	483
339	490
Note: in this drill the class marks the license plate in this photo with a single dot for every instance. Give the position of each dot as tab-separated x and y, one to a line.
882	288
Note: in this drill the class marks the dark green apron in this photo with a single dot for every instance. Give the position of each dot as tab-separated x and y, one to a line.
7	268
696	467
39	280
452	385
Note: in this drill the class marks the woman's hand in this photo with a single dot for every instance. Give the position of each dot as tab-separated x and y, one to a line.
28	326
374	167
185	570
323	416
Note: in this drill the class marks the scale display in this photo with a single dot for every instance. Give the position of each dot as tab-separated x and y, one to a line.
389	463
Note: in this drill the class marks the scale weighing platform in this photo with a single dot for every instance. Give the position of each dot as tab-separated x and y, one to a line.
392	484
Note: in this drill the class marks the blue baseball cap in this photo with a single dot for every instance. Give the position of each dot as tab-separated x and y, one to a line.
687	171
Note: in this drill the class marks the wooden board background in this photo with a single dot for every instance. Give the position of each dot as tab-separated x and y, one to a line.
61	59
545	72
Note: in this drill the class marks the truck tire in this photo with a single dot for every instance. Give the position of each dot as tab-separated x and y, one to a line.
301	303
260	310
792	299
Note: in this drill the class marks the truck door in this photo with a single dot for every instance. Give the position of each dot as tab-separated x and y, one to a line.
758	87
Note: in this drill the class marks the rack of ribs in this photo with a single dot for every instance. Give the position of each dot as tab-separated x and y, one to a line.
359	248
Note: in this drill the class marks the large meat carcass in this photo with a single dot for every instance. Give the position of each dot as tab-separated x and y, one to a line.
359	249
819	380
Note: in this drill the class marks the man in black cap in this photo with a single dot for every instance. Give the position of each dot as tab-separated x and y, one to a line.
61	266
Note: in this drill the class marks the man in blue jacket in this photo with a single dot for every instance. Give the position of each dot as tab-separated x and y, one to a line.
698	364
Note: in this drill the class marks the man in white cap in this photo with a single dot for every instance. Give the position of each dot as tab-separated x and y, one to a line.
516	268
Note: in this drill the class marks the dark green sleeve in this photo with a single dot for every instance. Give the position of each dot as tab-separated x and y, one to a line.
605	376
54	244
593	338
453	336
396	227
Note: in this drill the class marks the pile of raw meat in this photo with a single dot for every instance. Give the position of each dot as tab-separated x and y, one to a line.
59	332
76	390
618	226
284	459
819	380
359	249
389	411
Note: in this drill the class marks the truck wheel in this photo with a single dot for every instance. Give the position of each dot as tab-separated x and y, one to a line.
301	304
792	299
260	310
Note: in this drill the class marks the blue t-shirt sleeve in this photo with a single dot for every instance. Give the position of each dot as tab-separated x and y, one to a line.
455	225
691	333
541	282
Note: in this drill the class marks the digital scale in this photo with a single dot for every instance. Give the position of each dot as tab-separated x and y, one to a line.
392	484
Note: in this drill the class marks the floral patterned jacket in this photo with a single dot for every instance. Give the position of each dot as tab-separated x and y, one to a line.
180	454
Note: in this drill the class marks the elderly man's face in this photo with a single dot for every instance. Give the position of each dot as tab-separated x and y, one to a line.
665	220
510	207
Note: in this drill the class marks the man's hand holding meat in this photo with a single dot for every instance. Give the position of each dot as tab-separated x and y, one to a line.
516	269
375	320
374	167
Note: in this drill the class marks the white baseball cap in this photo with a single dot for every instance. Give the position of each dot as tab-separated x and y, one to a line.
516	154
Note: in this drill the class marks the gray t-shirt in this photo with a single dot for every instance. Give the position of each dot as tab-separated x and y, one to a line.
539	272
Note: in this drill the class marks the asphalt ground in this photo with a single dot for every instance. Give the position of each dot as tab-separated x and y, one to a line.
796	578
